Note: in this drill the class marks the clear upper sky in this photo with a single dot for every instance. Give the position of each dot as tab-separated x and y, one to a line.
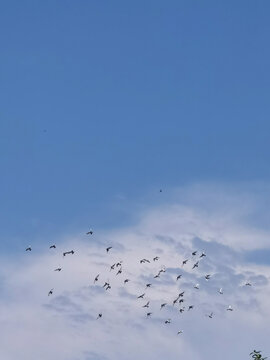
103	101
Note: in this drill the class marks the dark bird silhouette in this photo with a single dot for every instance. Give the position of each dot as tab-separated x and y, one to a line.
163	305
220	291
195	265
156	258
178	277
168	321
210	315
50	292
99	316
96	278
247	284
194	253
119	264
181	294
58	269
28	249
68	252
141	296
229	308
179	332
175	301
190	307
197	286
108	248
146	305
144	261
156	276
184	262
181	301
202	254
53	247
112	267
106	284
119	271
207	277
148	314
108	287
148	286
90	232
182	310
126	281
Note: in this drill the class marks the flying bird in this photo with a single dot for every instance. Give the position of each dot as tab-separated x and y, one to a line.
148	286
178	277
229	308
96	278
90	232
207	277
126	281
220	291
168	321
190	307
247	284
119	271
180	332
144	261
195	265
163	305
108	248
202	254
50	292
141	296
99	316
155	258
194	253
210	315
58	269
28	249
184	262
182	310
181	294
68	252
148	314
197	286
146	305
53	247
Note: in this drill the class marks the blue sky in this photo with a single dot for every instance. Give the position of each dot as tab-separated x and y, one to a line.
132	96
102	104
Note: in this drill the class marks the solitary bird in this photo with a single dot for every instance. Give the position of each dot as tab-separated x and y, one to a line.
207	277
202	254
197	286
194	253
112	267
229	308
182	310
155	258
195	265
108	248
146	305
52	247
148	314
68	252
168	321
181	294
190	307
157	276
126	281
58	269
106	284
144	261
163	305
141	296
99	316
181	301
180	332
247	284
96	278
119	271
148	286
184	262
220	291
50	292
210	315
28	249
178	277
90	232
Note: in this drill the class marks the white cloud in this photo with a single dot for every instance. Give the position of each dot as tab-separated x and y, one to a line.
64	326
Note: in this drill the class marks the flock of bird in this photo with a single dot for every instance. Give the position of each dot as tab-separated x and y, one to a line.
179	300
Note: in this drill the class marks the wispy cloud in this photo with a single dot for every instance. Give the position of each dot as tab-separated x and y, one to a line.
65	325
